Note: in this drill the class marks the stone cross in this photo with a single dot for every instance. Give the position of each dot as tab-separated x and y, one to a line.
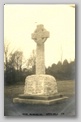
40	35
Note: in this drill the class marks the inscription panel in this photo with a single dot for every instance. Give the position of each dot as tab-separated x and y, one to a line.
40	85
34	86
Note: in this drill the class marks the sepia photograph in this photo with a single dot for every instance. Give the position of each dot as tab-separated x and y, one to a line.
39	60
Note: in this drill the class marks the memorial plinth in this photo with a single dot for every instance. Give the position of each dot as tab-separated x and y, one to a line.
40	88
40	85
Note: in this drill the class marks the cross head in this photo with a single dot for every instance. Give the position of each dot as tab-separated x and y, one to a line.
40	34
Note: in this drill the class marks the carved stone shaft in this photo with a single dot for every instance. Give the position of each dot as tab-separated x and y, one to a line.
40	66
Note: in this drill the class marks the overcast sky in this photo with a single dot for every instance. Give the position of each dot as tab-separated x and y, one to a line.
21	20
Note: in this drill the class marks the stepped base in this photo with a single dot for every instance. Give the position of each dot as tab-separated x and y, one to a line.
39	99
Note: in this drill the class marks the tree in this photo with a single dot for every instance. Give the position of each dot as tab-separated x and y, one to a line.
6	63
13	69
72	69
59	65
16	60
65	71
31	62
6	55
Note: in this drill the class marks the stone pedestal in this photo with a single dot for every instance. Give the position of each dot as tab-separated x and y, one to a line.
40	85
39	89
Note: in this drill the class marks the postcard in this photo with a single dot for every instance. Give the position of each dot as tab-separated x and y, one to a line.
39	60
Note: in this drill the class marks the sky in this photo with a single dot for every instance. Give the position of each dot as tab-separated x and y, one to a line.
20	21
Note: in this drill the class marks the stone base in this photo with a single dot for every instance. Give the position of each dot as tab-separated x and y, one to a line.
40	85
40	89
39	99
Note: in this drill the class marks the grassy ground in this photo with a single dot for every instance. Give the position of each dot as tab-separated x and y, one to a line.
66	87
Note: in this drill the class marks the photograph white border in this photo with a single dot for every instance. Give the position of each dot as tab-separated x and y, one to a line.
78	62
